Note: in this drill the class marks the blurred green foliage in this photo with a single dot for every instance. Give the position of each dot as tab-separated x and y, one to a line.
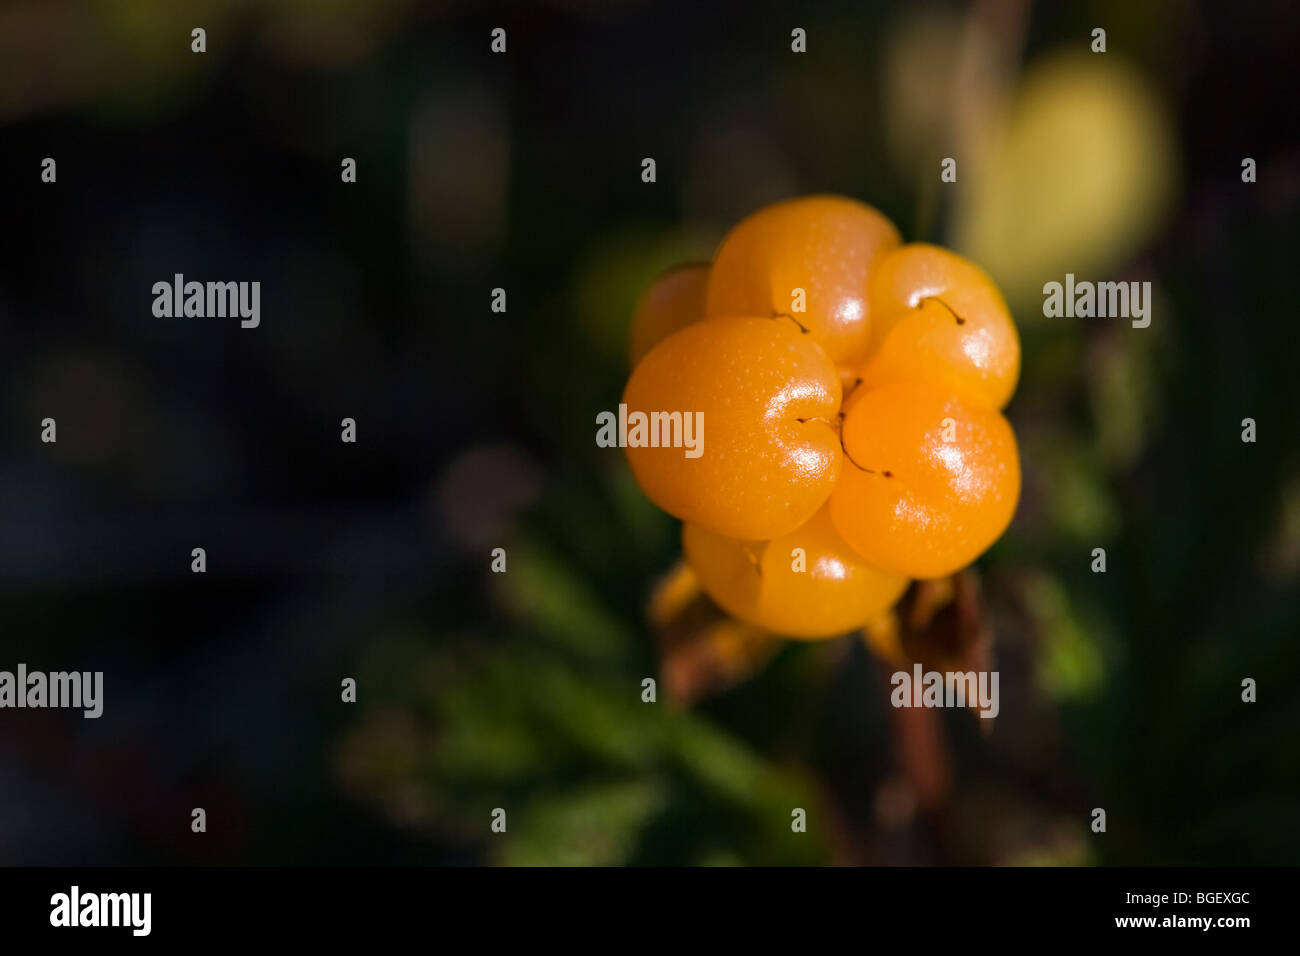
523	690
1120	690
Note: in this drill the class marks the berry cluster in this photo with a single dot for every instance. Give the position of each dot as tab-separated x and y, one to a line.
852	389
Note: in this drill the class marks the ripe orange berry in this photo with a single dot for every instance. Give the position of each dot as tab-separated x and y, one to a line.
674	299
823	245
929	481
767	396
757	581
939	318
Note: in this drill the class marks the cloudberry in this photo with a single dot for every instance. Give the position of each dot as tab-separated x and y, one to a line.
673	300
807	583
940	319
767	396
822	245
929	480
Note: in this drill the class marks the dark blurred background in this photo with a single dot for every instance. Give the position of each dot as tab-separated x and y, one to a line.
476	430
